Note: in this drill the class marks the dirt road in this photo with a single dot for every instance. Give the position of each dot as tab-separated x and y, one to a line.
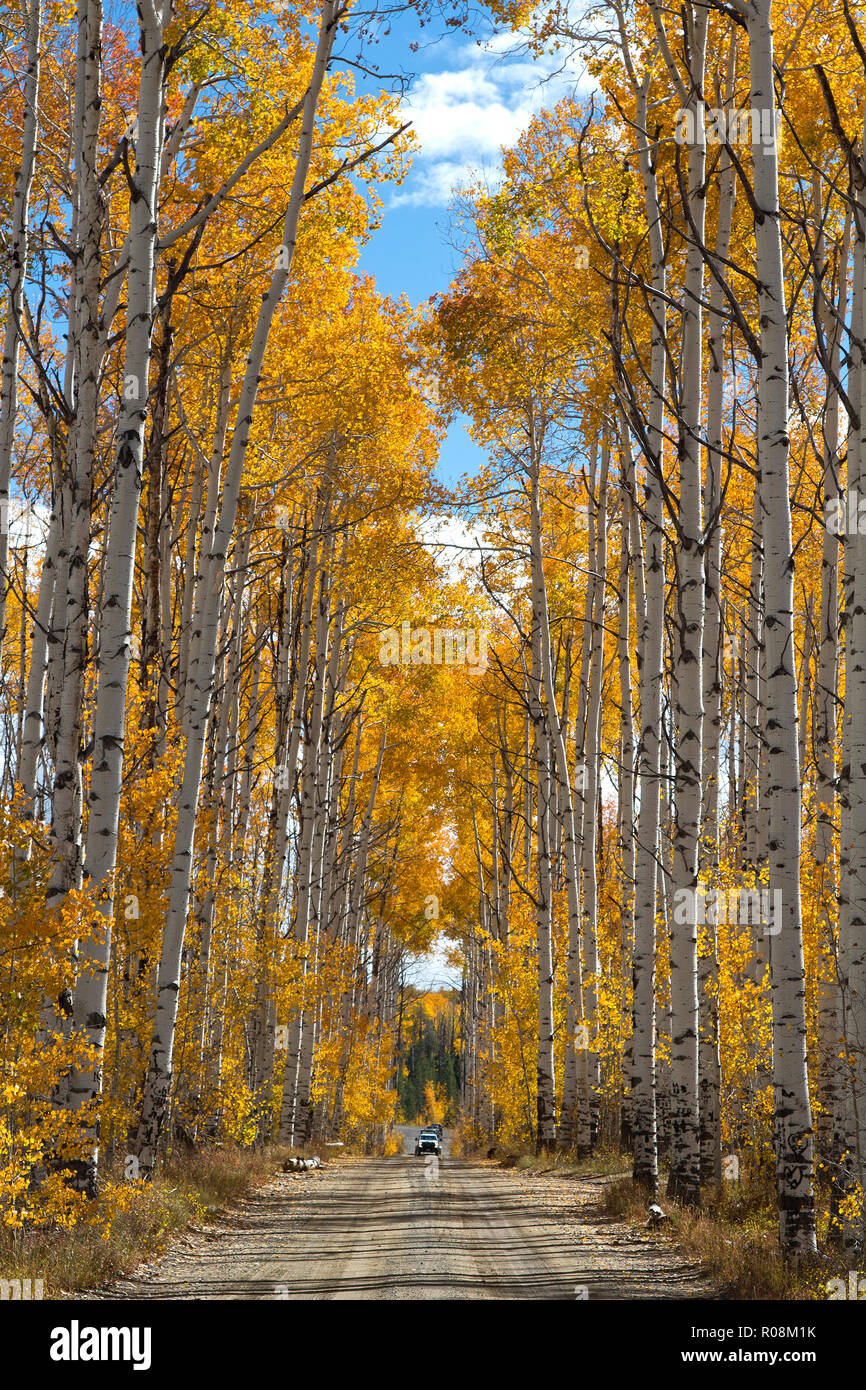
410	1228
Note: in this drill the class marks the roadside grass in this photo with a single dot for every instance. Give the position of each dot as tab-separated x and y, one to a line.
606	1160
734	1235
603	1162
136	1219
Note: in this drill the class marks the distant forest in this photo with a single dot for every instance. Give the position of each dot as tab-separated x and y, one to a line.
428	1082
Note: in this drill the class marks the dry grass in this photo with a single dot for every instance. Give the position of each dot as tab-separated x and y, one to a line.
189	1189
624	1200
563	1164
734	1235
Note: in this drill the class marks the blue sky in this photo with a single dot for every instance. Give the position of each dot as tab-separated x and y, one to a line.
466	99
467	95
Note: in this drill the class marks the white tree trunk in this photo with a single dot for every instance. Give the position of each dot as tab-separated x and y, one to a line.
17	247
116	644
650	679
684	1179
793	1117
158	1084
545	1136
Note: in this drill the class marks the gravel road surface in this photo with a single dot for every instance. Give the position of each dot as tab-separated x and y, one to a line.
412	1228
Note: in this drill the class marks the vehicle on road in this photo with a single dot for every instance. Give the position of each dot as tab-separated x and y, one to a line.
428	1142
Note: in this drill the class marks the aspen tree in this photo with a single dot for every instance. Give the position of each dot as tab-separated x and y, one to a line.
546	1085
17	253
643	1078
793	1117
709	1068
106	775
158	1083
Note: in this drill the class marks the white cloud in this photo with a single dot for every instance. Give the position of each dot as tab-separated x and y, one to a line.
26	522
432	971
464	114
450	537
456	546
433	185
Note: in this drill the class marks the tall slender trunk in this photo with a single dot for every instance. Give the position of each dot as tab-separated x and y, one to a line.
116	644
291	1130
72	603
709	1062
574	1081
684	1179
17	249
159	1078
650	679
590	839
626	789
830	1002
545	1137
852	849
793	1116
